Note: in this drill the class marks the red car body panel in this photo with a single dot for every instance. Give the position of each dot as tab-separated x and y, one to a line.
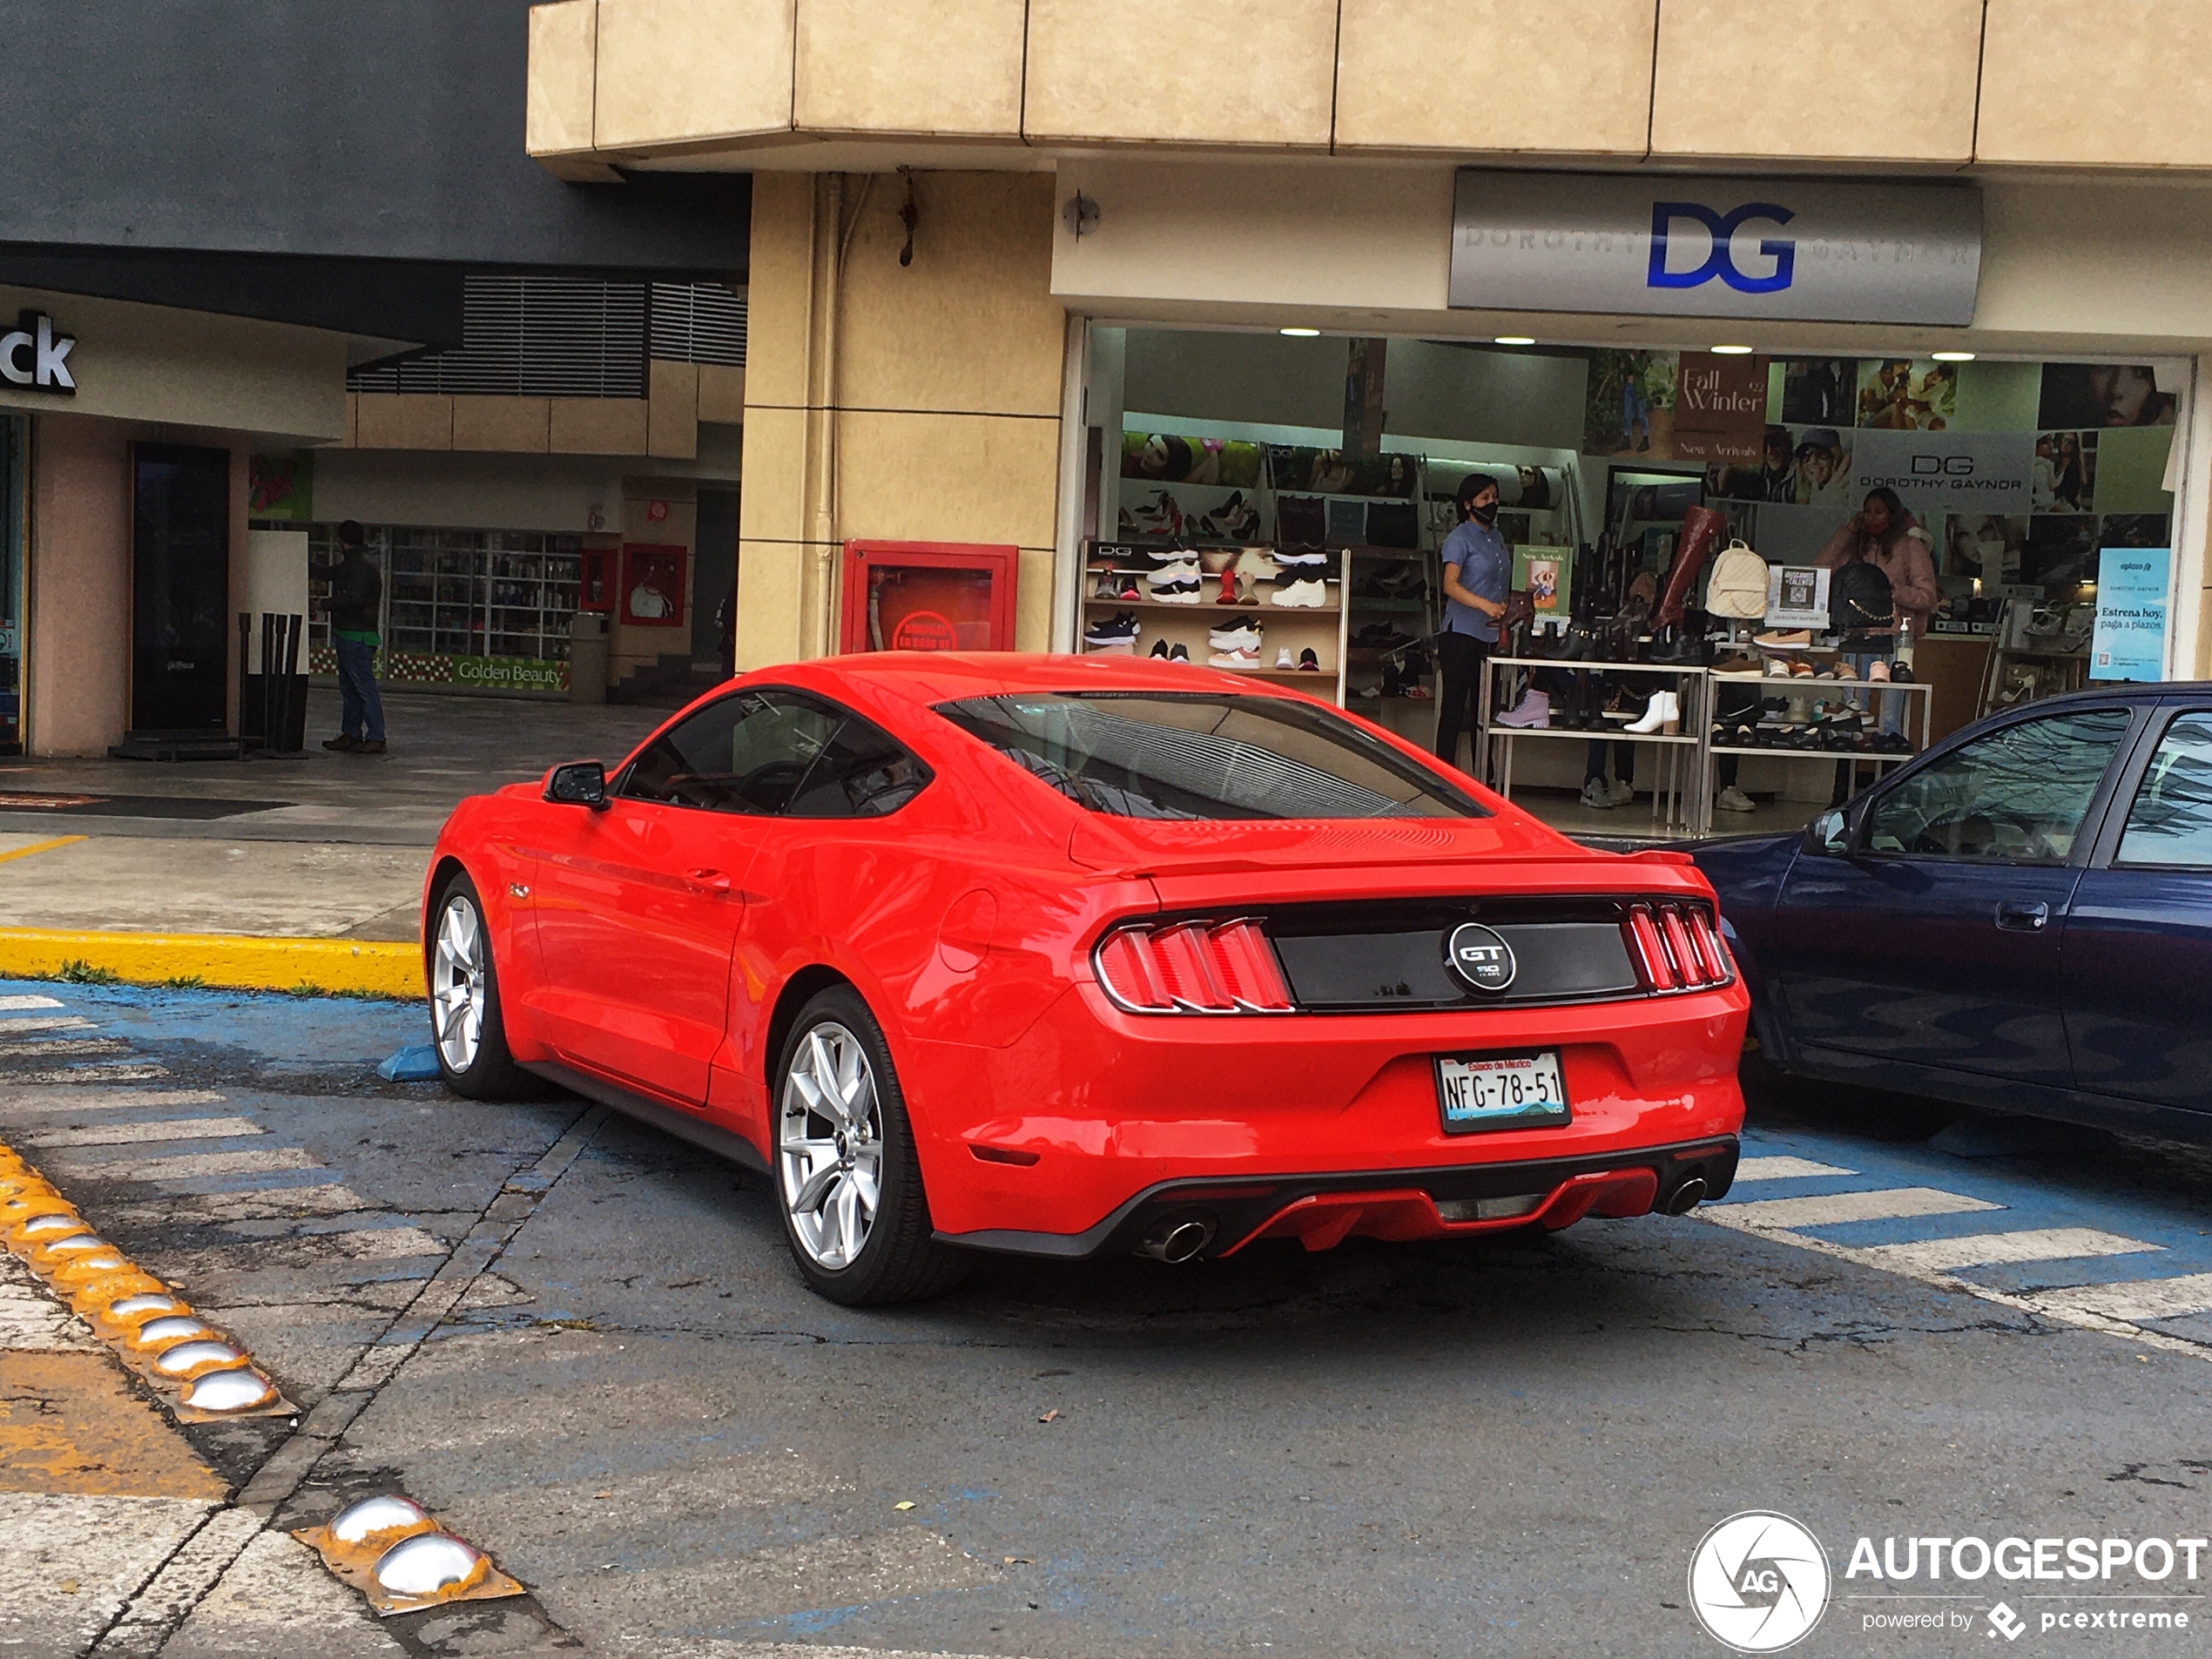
645	950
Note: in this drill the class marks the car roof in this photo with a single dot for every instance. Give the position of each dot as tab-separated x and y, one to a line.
928	677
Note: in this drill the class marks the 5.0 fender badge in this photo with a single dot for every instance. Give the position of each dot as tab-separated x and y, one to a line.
1481	956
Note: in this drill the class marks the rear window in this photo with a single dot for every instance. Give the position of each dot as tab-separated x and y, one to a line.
1206	755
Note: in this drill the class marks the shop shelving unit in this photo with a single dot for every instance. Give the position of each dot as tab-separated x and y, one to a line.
1320	628
461	593
1413	614
1677	803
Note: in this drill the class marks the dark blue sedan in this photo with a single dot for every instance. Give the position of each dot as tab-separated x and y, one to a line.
2022	920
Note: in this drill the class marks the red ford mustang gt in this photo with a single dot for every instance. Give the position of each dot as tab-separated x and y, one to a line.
1057	955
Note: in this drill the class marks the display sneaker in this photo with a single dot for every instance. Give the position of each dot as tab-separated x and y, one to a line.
1184	591
1739	666
1309	660
1732	799
1179	652
1242	658
1283	659
1117	632
1243	634
1160	649
1307	593
1533	709
1784	639
1596	796
1302	564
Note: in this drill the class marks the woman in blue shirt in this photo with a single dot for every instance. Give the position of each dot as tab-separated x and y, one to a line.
1478	573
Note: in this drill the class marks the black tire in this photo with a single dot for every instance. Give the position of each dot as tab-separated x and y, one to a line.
901	1259
491	1073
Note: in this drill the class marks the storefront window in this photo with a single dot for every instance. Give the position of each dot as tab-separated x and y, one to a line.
15	523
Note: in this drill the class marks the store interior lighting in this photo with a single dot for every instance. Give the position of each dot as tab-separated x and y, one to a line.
1514	340
1952	356
1731	351
1300	333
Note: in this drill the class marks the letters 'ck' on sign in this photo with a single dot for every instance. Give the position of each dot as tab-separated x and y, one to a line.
1759	249
33	355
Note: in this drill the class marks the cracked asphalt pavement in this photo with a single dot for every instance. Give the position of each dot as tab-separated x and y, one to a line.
582	1345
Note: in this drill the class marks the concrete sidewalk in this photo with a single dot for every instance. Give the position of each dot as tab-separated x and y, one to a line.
160	872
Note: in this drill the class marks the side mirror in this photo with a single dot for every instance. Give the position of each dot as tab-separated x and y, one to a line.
1829	835
581	783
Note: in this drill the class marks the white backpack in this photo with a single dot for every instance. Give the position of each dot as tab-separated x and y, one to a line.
1738	587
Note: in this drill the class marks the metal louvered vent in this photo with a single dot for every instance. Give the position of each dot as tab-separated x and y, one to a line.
699	322
533	337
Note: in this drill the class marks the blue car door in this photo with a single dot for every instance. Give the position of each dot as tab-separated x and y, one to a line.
2138	971
1934	941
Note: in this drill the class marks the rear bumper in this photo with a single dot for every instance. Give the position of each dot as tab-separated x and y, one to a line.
1321	1211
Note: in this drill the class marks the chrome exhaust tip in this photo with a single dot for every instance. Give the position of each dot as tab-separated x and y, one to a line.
1178	1243
1687	1196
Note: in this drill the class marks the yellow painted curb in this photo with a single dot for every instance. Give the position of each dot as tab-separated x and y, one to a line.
231	962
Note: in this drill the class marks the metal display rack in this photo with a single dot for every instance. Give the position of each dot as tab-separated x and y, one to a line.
1682	799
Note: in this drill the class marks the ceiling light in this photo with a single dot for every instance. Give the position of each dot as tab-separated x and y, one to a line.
1514	340
1952	356
1731	351
1300	333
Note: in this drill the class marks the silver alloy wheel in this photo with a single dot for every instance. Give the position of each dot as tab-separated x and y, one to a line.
457	983
830	1144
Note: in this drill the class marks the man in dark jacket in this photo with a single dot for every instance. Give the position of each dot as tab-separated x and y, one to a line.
356	595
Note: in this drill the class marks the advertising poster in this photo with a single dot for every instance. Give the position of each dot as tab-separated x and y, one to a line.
2130	639
1820	468
1907	395
1629	407
281	486
1720	408
1547	576
2064	472
1945	472
652	585
1165	458
2103	395
1819	391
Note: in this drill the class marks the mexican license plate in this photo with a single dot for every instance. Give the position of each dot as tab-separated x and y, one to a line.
1485	1091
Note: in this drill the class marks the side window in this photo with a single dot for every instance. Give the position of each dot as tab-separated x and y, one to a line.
2017	795
746	753
862	772
2171	821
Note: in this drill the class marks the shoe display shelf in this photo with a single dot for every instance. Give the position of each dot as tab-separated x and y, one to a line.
1410	712
1679	804
1822	686
1319	629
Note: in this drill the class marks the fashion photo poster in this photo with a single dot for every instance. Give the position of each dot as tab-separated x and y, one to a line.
1630	404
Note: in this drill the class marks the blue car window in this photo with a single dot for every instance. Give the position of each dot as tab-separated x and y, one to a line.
2170	823
2018	795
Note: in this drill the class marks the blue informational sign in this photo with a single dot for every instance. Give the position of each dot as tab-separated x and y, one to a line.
2130	640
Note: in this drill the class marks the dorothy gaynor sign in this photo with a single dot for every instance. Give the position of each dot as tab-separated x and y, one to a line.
1779	249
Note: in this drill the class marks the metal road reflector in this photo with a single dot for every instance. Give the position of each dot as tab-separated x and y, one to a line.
394	1552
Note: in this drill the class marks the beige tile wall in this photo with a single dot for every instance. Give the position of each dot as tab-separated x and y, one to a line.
1563	76
1198	72
910	66
1874	83
1869	80
521	425
2098	83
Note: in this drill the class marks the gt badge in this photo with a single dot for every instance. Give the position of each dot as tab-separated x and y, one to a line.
1479	956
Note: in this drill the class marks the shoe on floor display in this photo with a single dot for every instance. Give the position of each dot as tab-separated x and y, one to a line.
1739	666
1283	658
1307	594
1623	792
1663	713
1117	632
1309	661
1533	709
1787	639
1179	652
1235	658
1596	796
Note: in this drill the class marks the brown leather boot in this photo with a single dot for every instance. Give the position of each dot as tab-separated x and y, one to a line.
1700	533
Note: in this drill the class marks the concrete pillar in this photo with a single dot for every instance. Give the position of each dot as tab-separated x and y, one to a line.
883	402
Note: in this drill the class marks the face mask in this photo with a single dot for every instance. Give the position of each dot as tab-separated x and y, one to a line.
1484	515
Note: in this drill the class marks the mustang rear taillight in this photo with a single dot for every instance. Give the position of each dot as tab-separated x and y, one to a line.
1192	968
1675	947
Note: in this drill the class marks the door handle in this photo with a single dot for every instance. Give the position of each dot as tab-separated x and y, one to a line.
2022	915
713	881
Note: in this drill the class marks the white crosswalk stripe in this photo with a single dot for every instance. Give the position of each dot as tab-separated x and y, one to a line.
48	1048
167	1129
2138	1299
45	1022
119	1071
195	1165
1784	1169
15	1004
64	1098
1894	1204
1987	1250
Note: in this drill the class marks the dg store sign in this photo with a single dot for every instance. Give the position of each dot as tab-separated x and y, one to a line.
1763	250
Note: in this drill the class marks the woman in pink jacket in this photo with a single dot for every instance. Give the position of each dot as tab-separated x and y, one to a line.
1891	539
